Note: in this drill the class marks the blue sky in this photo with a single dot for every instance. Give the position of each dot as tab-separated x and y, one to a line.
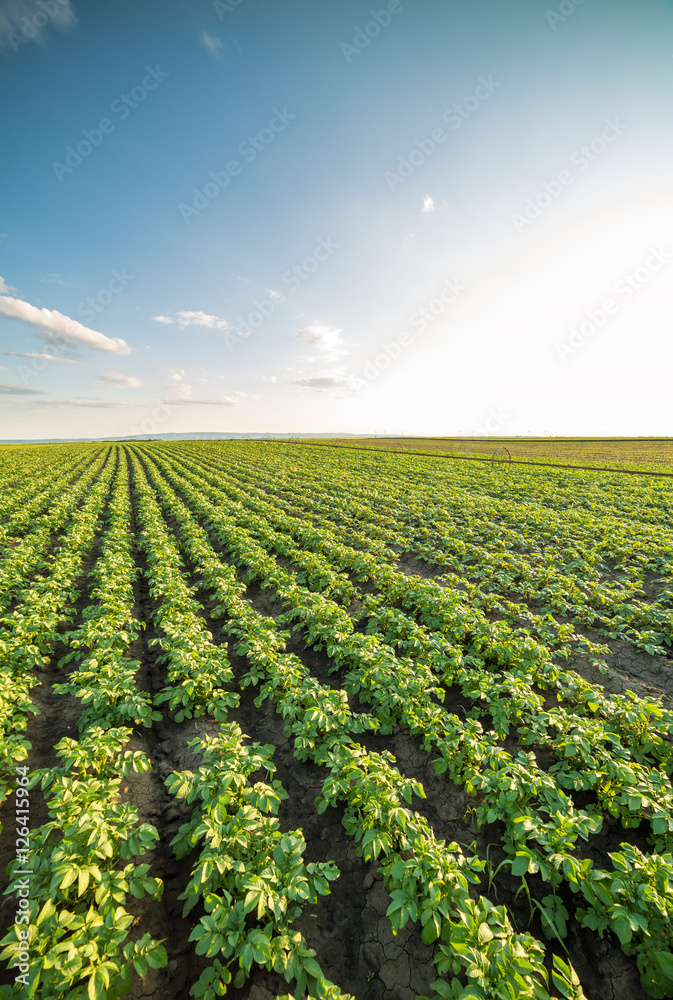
422	216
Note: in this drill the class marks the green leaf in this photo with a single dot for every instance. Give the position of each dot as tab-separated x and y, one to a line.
565	979
82	881
140	965
484	933
622	928
68	879
47	911
520	864
157	958
664	963
98	984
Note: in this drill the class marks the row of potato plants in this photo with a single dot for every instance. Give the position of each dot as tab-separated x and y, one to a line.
629	718
473	936
623	711
627	788
594	571
198	669
27	556
29	631
246	865
385	542
106	676
24	473
24	503
247	868
403	694
77	928
567	574
549	507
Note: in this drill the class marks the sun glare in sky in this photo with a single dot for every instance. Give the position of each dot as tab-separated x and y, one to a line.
421	217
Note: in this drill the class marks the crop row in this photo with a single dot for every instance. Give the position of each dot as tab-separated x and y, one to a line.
246	864
77	927
500	549
509	787
29	631
474	937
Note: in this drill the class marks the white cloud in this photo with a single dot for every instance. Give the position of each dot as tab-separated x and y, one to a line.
212	44
56	323
327	380
42	357
118	381
4	287
269	378
326	340
55	338
6	389
277	296
23	20
101	404
222	401
182	392
186	317
55	279
428	204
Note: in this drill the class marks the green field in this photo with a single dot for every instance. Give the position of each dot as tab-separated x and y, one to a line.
312	720
578	451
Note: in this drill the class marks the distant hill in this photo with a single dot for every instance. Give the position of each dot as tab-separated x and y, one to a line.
194	436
